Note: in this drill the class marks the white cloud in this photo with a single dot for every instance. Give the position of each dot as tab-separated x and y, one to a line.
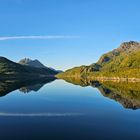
2	38
38	114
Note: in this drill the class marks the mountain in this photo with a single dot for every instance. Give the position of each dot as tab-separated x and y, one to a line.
121	62
35	63
32	63
10	69
122	57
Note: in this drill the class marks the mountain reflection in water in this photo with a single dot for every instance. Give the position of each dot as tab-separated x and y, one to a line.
127	94
23	86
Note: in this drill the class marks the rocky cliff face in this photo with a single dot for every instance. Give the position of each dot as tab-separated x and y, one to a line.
129	47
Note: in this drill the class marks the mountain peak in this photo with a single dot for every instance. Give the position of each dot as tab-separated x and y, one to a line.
129	46
130	43
25	61
32	63
126	48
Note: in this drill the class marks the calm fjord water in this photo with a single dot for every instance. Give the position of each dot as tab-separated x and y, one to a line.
61	110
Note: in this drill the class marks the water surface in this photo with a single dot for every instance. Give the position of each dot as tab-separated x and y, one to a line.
76	109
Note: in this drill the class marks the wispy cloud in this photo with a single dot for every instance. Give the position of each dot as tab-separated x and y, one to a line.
2	38
39	114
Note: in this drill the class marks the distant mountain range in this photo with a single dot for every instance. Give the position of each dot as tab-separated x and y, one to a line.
122	62
25	69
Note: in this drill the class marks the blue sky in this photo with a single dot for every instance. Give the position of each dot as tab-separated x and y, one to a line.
85	29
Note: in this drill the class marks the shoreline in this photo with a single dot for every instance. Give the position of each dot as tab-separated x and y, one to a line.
103	78
115	79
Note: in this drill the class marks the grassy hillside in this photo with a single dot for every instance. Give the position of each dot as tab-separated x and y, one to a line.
121	62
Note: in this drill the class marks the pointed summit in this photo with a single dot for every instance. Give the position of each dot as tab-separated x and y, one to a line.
129	47
32	63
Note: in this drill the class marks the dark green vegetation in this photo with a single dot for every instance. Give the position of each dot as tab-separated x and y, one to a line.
122	62
128	94
12	70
